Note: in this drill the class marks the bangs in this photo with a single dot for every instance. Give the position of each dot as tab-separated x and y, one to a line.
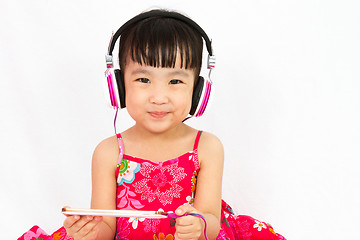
160	42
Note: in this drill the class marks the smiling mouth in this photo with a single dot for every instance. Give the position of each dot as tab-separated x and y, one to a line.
158	114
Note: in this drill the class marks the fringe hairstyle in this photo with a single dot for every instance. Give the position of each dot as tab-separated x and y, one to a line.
156	41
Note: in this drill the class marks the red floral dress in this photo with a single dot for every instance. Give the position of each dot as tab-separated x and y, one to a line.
147	185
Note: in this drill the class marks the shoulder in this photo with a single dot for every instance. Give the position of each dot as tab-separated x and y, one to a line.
106	151
210	148
210	143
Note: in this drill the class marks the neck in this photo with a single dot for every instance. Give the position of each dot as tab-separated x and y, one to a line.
173	133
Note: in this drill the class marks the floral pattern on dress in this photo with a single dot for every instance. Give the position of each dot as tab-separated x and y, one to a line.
61	235
123	230
240	227
135	221
127	199
35	233
160	182
190	200
127	170
161	236
195	159
193	181
151	225
259	225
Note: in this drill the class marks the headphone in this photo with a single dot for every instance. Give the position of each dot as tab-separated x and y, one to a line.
115	84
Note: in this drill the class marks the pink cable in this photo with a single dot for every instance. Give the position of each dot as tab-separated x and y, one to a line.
117	109
174	216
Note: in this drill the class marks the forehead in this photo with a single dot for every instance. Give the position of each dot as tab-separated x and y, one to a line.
135	68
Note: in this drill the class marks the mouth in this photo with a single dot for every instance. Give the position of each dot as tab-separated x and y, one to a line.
158	114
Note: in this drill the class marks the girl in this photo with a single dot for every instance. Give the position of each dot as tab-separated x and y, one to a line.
161	163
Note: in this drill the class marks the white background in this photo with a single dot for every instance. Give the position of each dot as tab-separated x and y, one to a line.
286	108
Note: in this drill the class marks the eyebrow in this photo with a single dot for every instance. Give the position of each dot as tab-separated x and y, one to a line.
171	73
140	71
179	73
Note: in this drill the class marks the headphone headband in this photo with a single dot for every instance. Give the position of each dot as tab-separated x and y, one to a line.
164	14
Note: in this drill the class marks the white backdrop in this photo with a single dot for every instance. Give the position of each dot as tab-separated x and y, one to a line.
286	108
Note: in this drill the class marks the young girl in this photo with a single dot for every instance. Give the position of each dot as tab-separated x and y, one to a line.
161	163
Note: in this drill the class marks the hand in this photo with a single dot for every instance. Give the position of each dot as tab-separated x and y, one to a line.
188	227
82	227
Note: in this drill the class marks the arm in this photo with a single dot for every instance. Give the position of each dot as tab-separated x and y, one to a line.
207	200
103	196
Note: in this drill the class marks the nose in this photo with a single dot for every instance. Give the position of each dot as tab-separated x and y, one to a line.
159	95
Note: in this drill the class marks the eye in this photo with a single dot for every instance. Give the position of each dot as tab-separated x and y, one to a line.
143	80
175	81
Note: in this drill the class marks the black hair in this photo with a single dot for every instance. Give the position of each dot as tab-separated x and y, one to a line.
155	41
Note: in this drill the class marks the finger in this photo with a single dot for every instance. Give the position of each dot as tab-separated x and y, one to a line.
77	226
88	229
94	231
70	221
188	225
185	221
184	229
187	236
186	208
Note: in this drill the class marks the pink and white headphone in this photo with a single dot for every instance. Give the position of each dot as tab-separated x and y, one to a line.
115	83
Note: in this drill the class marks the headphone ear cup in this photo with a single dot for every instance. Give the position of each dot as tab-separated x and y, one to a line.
198	89
111	88
201	96
121	87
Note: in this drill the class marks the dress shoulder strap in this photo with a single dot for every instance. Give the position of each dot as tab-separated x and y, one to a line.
121	147
197	140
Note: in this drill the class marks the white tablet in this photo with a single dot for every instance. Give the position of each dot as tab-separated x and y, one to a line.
114	213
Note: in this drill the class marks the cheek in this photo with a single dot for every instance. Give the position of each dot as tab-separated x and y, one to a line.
134	106
185	101
133	100
133	94
190	99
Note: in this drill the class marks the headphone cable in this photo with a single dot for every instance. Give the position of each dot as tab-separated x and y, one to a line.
117	109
